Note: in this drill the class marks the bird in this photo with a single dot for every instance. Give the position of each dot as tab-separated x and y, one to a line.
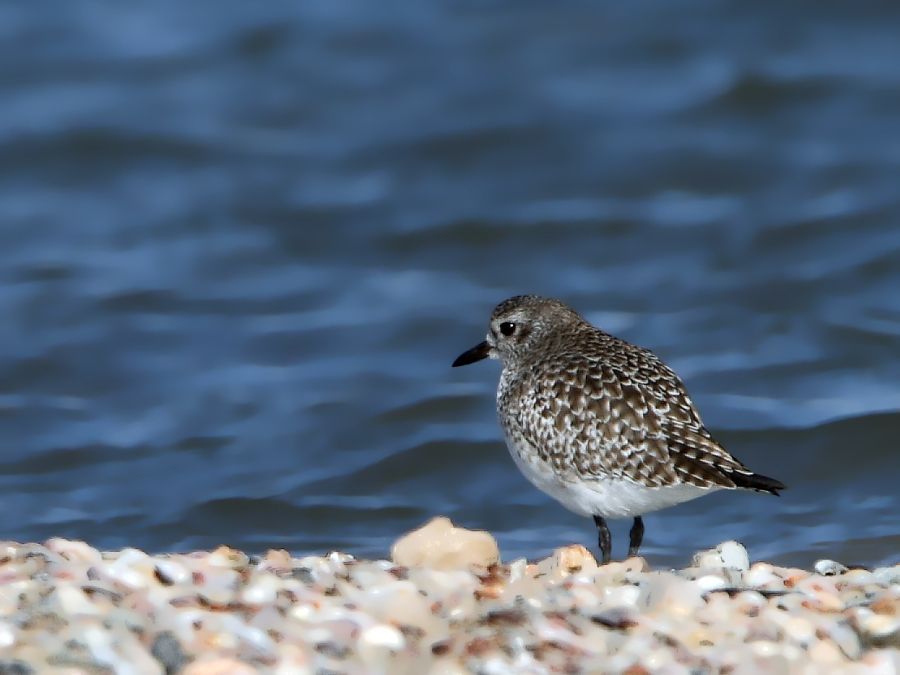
599	424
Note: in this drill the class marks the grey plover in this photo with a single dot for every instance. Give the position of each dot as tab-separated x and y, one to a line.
601	425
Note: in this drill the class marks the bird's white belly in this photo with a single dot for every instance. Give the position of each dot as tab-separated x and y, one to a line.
596	496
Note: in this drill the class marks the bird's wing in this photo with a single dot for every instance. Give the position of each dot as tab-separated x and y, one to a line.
699	460
633	423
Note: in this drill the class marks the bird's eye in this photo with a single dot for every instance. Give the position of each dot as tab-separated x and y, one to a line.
507	328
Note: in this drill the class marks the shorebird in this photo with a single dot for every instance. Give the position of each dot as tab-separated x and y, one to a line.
599	424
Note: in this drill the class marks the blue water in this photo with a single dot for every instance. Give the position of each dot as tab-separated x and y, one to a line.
241	243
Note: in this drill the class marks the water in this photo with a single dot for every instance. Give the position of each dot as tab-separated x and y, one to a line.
240	246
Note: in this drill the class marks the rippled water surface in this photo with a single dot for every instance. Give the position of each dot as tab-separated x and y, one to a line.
241	243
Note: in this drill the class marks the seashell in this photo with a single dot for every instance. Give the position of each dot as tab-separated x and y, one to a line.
829	568
729	555
440	545
228	558
74	551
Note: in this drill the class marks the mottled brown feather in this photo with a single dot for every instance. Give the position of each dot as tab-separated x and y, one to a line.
596	406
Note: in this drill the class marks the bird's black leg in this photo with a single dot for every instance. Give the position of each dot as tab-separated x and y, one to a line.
636	536
603	539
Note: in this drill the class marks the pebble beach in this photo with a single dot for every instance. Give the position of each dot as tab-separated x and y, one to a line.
443	603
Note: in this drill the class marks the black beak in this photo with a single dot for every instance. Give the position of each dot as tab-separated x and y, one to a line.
478	352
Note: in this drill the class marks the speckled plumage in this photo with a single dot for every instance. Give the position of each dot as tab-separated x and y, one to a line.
600	424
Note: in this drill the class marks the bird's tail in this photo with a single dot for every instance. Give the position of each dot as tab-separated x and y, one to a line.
758	482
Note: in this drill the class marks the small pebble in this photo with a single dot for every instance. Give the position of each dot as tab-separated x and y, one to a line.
7	635
881	630
382	635
15	667
220	666
168	651
710	582
760	575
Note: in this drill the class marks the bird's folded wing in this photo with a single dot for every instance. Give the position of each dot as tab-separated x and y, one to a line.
628	430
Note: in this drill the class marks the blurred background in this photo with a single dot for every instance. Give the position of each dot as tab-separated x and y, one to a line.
241	243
